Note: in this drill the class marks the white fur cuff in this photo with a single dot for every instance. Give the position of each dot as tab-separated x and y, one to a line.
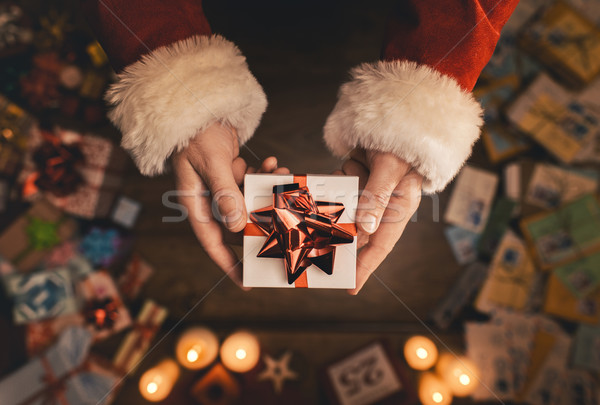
409	110
169	95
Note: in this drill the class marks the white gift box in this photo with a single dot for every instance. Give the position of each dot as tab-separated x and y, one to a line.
271	272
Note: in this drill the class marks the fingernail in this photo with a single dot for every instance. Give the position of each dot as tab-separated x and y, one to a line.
232	220
369	223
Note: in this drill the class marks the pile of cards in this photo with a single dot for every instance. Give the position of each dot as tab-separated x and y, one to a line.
525	359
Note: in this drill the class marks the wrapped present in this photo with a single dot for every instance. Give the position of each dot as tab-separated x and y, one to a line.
15	32
67	255
463	244
471	200
15	128
582	277
137	272
41	295
511	277
502	144
101	311
554	118
496	227
78	173
566	42
551	186
65	374
294	240
564	235
96	54
125	212
15	124
460	295
560	301
93	85
40	87
54	28
10	159
102	246
137	342
26	242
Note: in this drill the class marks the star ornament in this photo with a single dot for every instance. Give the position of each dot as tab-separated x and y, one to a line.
278	371
300	230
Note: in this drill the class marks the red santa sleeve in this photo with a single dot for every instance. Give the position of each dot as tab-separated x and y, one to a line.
416	102
174	77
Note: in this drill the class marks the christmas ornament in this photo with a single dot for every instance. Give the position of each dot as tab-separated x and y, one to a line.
278	370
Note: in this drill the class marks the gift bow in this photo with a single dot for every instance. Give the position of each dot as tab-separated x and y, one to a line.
42	234
100	246
58	167
300	230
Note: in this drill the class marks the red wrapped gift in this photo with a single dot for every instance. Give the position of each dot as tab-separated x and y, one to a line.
78	173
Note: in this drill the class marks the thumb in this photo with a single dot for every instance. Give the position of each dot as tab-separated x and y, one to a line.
228	204
386	171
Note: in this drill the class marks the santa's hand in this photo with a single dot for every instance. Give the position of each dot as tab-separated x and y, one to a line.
208	174
391	195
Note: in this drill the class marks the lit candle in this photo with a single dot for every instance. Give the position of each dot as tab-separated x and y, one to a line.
157	382
433	391
197	348
240	352
420	352
460	374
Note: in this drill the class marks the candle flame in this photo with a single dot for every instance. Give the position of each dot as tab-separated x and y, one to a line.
240	354
422	353
152	387
437	397
464	379
192	355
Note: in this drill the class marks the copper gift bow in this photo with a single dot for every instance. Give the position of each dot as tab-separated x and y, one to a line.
57	167
300	230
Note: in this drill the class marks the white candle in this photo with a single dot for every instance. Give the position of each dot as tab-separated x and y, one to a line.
420	352
157	382
433	391
240	352
197	348
460	374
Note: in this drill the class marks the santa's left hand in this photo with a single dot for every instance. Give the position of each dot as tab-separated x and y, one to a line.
391	195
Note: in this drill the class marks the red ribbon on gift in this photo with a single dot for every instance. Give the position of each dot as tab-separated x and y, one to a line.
300	230
145	329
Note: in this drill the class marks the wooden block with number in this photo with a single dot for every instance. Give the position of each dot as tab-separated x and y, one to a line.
370	375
